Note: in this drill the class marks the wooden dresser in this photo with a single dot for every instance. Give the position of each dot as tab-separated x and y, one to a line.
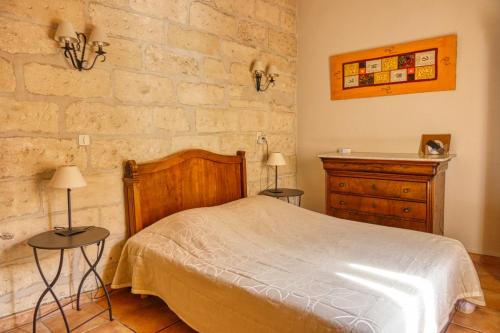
398	190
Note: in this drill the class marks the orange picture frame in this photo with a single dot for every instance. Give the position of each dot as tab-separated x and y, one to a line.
348	77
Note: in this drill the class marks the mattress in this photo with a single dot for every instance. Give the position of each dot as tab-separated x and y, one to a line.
261	265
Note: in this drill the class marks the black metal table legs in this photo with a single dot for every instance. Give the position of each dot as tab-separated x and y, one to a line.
288	199
92	269
50	285
49	289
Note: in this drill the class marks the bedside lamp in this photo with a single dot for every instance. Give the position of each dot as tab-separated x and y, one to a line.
275	160
68	177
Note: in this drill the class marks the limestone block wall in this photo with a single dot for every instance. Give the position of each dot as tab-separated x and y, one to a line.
176	77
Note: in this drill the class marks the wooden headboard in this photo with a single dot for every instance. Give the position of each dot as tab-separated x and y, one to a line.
188	179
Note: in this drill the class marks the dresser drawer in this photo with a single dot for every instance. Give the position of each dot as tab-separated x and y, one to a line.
379	187
389	221
402	209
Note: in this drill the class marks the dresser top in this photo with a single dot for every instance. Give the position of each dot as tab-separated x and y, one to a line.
390	156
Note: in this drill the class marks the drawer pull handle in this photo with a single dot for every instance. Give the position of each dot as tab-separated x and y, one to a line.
406	209
406	190
341	184
342	202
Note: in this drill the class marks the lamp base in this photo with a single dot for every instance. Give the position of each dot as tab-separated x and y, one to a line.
66	232
276	190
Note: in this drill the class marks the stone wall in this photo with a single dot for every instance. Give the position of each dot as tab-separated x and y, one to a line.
176	77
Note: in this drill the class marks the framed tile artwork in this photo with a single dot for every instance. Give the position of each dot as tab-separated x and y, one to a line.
420	66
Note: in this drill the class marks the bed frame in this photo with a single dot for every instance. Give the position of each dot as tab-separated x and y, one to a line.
188	179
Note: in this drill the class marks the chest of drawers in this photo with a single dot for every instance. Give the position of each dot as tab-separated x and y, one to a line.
398	190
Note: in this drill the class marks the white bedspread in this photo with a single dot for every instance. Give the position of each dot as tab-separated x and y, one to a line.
261	265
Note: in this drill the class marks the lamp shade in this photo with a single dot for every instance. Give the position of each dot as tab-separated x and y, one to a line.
276	159
272	71
258	66
98	37
65	33
67	176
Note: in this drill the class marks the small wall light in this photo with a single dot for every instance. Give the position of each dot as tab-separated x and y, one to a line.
75	44
259	73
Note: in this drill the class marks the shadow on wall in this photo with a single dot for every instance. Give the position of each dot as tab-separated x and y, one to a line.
491	223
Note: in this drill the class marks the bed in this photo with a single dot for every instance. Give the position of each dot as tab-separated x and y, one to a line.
227	263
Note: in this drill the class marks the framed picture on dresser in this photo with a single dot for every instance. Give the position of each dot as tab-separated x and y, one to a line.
435	144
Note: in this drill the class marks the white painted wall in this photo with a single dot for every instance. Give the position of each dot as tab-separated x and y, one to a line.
471	113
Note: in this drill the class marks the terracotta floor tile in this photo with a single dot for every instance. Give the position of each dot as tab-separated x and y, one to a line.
111	327
149	319
17	330
453	328
490	282
40	328
489	269
492	299
483	319
9	323
124	302
55	321
179	327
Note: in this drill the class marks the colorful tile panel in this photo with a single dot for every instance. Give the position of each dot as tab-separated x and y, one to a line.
389	63
425	73
406	60
366	79
425	58
399	75
351	69
382	77
373	66
402	68
351	81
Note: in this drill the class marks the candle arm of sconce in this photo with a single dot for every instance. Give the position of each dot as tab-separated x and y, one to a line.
269	81
100	53
84	42
68	54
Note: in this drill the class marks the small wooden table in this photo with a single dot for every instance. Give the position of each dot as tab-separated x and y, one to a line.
284	193
51	241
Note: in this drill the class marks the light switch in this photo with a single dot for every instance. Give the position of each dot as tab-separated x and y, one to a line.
83	140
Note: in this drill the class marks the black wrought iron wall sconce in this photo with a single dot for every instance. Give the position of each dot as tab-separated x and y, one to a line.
260	75
75	45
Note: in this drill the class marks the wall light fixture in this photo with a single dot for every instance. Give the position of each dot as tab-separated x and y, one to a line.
259	73
74	45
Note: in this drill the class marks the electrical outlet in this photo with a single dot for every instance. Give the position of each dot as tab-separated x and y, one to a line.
83	140
6	235
261	138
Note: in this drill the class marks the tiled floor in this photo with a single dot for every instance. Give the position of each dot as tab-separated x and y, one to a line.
147	315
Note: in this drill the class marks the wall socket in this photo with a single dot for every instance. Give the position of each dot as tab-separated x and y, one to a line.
83	140
261	138
6	235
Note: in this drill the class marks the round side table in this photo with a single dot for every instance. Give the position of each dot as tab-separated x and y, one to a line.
51	241
284	193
